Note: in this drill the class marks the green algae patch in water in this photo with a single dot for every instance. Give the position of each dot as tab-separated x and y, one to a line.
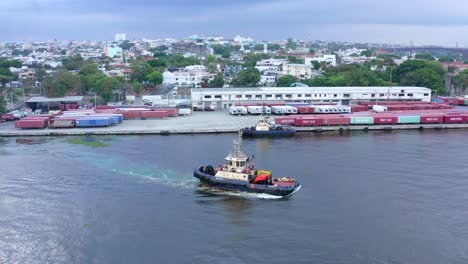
90	142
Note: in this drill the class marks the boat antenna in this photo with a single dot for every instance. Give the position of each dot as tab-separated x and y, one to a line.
238	143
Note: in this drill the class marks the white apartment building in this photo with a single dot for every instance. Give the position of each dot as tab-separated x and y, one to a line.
267	80
185	78
327	58
300	71
226	97
355	60
195	67
120	37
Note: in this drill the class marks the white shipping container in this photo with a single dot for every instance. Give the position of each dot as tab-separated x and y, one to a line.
238	110
379	108
185	111
255	110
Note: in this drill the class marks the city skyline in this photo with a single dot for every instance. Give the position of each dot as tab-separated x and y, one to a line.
417	21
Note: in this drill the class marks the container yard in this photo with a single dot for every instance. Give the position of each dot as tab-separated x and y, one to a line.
142	120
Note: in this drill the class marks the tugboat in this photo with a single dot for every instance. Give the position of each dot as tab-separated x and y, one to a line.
264	128
238	174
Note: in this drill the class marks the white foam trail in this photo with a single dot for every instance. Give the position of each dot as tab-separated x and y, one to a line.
247	195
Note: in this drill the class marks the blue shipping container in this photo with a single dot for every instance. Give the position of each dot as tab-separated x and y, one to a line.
93	122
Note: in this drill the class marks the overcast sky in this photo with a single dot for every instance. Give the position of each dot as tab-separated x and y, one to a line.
440	22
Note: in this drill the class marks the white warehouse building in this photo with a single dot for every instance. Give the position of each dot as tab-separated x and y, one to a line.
223	98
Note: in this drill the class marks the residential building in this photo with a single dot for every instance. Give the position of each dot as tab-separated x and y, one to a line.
185	78
300	71
192	48
120	37
223	98
111	51
327	58
267	80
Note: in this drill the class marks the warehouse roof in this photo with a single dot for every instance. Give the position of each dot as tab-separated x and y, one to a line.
42	99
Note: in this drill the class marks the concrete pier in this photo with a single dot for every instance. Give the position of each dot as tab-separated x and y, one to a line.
198	123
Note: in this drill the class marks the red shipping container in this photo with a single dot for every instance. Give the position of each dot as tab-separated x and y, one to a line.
154	114
450	119
285	120
359	108
8	117
171	111
304	109
46	117
31	123
308	121
432	119
385	120
335	120
135	114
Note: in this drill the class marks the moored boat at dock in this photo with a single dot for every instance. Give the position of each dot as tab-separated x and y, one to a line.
264	128
239	174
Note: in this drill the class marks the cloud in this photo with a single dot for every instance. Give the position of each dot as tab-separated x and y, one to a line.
263	19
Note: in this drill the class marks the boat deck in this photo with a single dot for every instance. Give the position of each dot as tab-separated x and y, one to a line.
283	183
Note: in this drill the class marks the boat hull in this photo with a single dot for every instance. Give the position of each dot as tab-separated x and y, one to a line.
237	185
246	132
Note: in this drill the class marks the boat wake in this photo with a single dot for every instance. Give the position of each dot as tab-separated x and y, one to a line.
245	195
149	172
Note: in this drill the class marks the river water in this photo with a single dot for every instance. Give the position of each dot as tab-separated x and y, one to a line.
377	197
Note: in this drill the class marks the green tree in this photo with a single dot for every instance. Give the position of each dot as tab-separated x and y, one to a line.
72	63
137	88
251	59
293	59
10	63
140	69
210	59
286	80
412	65
248	77
273	47
366	53
424	56
5	76
316	65
446	58
89	69
424	77
291	44
61	83
223	50
217	82
155	78
2	105
40	75
126	45
157	63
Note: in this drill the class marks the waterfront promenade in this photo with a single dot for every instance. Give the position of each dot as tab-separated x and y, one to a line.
197	123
